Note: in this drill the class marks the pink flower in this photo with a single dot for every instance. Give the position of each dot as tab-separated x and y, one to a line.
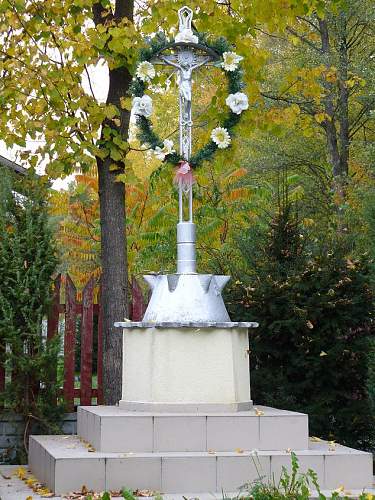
184	176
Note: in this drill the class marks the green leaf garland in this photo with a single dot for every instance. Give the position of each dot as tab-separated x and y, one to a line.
236	84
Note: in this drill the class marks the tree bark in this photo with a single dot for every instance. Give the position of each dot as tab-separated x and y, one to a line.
113	228
343	100
329	123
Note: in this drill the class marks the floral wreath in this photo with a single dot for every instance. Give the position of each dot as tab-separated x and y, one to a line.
236	101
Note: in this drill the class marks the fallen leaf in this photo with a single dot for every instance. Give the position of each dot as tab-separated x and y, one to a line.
258	413
20	472
323	354
340	489
44	492
143	493
309	324
239	450
315	439
211	452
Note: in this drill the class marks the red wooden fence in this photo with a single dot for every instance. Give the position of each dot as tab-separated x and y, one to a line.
83	392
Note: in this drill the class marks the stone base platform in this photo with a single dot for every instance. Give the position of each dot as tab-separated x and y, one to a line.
64	463
112	429
199	453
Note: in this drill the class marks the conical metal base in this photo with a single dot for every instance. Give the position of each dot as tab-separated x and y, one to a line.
186	297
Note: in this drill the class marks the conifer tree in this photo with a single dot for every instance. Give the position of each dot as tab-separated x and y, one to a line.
27	262
314	305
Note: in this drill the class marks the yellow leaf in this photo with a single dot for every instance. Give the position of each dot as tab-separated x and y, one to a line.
340	489
315	439
20	472
308	222
239	450
320	117
322	354
126	103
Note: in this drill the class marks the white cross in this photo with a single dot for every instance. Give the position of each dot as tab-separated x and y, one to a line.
187	57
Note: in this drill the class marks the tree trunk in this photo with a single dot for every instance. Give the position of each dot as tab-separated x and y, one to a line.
343	100
329	123
114	277
113	229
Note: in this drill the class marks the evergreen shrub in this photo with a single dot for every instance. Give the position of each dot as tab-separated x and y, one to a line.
27	263
314	305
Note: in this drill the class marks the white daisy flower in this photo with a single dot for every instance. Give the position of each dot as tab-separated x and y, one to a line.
237	102
167	149
221	137
145	71
186	36
142	106
231	61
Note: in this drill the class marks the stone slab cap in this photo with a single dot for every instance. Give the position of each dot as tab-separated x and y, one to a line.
185	324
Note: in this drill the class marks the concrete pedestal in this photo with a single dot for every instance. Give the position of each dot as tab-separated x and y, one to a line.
186	369
186	385
195	453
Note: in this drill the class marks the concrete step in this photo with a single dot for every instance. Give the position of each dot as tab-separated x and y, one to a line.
65	463
111	429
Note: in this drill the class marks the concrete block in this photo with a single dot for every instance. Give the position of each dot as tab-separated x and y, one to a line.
33	457
125	434
64	464
51	473
234	471
216	371
179	433
93	437
314	462
227	433
82	422
351	470
133	473
282	432
74	472
195	474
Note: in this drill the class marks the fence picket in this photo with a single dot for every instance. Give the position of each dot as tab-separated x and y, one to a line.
138	307
69	342
53	317
87	342
53	322
2	372
71	309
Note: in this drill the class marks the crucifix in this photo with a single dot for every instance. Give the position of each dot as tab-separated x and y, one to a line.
187	55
